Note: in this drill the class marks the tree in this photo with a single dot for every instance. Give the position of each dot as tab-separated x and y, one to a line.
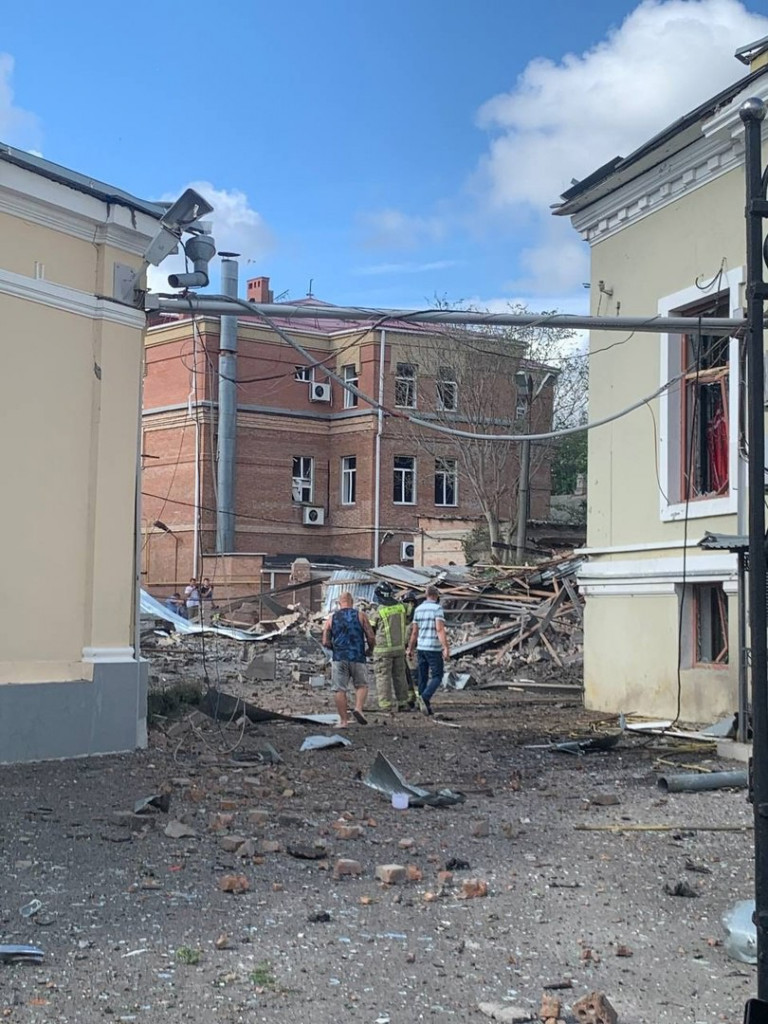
479	379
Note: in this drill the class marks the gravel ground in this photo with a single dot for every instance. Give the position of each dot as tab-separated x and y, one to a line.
135	926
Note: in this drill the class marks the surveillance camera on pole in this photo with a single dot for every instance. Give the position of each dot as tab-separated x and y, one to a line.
183	215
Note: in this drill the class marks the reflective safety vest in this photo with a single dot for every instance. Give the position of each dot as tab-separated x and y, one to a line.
390	629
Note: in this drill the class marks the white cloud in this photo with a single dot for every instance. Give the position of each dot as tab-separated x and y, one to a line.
556	262
393	229
236	227
17	127
405	268
563	120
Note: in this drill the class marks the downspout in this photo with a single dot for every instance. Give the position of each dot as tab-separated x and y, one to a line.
227	420
377	465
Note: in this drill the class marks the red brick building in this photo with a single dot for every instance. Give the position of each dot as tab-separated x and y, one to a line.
319	472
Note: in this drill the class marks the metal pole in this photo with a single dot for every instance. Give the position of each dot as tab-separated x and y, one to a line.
522	497
219	306
227	422
752	114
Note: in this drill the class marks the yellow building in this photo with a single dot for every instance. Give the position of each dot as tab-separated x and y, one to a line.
70	397
667	233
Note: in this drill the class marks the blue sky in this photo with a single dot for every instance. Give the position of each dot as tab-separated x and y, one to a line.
390	153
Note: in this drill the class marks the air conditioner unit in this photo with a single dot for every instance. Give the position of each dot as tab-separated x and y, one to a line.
407	551
314	516
319	392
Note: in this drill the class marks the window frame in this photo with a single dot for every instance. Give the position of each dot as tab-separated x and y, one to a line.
348	480
304	374
672	503
406	379
302	481
353	378
400	473
444	474
446	379
706	598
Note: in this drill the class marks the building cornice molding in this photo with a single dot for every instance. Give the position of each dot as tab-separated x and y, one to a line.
69	300
718	151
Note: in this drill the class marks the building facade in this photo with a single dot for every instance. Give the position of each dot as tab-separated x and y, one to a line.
71	680
320	471
666	231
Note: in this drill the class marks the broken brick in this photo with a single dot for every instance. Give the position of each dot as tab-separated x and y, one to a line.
480	828
227	804
234	883
472	888
347	867
219	822
413	873
344	831
231	843
258	816
391	874
445	877
594	1009
550	1007
269	846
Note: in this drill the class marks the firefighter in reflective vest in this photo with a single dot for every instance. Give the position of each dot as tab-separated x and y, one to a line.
388	621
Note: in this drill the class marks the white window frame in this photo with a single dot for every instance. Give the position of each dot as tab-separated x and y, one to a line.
348	479
409	380
304	374
446	383
350	376
670	363
445	468
400	474
303	481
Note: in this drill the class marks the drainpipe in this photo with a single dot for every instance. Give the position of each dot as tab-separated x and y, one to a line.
227	420
377	466
741	529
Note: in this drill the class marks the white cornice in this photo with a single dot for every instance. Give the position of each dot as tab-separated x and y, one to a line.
718	151
69	300
53	205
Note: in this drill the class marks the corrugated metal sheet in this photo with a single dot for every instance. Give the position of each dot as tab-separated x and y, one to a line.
360	585
724	542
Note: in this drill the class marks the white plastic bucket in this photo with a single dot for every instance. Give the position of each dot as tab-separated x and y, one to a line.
400	801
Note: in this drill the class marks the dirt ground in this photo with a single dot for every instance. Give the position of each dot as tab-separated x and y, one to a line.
135	926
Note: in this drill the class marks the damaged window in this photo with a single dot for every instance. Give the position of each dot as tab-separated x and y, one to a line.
705	365
710	624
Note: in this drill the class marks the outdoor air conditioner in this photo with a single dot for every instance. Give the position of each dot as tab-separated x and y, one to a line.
319	392
314	516
407	551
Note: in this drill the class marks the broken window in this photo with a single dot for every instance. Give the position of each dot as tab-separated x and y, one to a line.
348	479
405	385
710	624
705	364
404	484
447	389
445	482
305	373
303	478
349	375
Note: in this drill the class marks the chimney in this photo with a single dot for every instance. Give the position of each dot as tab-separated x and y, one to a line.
258	290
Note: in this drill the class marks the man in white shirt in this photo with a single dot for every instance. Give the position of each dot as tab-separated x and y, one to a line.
429	639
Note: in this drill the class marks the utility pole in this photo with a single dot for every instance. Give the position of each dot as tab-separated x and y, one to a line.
524	383
752	114
227	419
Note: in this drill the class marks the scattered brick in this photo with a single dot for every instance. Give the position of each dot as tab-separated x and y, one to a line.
391	874
623	951
228	804
445	877
269	846
347	867
594	1009
234	883
344	831
407	844
247	849
472	888
413	873
480	828
550	1007
219	822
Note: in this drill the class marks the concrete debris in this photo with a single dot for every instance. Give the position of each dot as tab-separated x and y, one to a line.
594	1009
506	1013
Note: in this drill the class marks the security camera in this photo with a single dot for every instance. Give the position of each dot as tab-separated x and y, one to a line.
200	250
178	217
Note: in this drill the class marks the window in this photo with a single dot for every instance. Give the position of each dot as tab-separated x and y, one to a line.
305	373
521	405
404	485
303	478
405	386
705	414
445	482
708	642
349	376
447	389
698	411
348	480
